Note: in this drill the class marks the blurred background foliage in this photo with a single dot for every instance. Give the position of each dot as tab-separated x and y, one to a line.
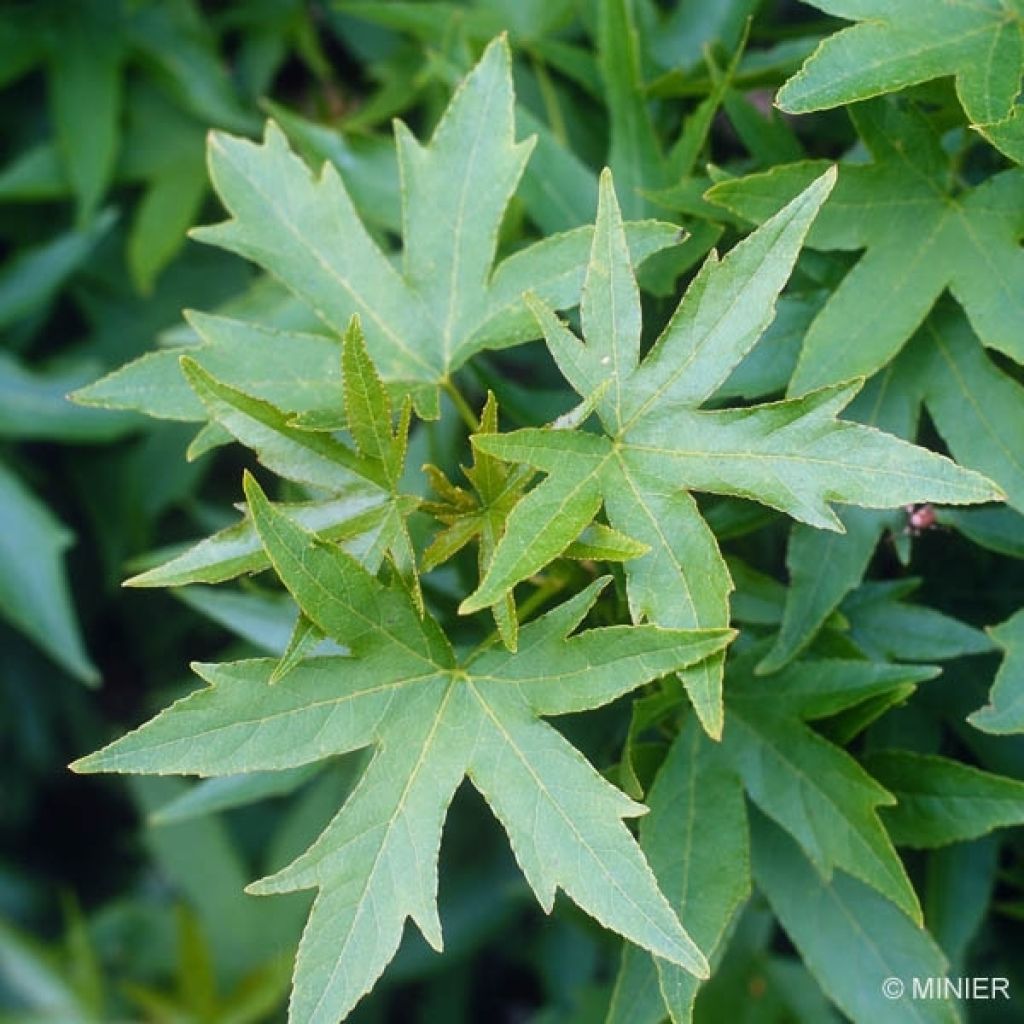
123	901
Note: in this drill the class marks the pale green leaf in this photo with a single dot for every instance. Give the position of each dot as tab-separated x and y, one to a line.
426	318
795	455
893	46
433	721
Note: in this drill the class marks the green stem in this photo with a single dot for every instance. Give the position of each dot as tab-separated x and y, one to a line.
461	405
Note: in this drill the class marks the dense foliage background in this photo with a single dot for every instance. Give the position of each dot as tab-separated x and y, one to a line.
124	900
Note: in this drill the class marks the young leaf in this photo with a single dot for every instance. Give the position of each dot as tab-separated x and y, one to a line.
920	234
425	319
434	720
941	801
1004	712
479	516
896	45
658	444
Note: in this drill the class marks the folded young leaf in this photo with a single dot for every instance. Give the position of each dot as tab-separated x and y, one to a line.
658	444
427	317
1004	712
921	234
434	719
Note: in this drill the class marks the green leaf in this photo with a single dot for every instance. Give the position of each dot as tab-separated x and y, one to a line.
813	789
921	235
813	595
1004	712
426	318
294	370
998	529
794	455
893	46
34	405
976	407
31	278
359	517
634	154
85	96
167	210
305	456
433	720
211	796
368	409
851	939
34	592
697	842
888	629
941	801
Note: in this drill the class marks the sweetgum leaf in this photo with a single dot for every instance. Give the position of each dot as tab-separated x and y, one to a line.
34	592
658	444
894	45
444	302
851	939
697	812
921	235
293	370
434	719
1004	712
809	786
891	402
941	801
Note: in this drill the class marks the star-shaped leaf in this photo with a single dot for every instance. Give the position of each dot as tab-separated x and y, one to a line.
425	317
897	43
434	719
657	444
921	235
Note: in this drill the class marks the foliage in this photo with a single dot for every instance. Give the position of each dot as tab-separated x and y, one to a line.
601	435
